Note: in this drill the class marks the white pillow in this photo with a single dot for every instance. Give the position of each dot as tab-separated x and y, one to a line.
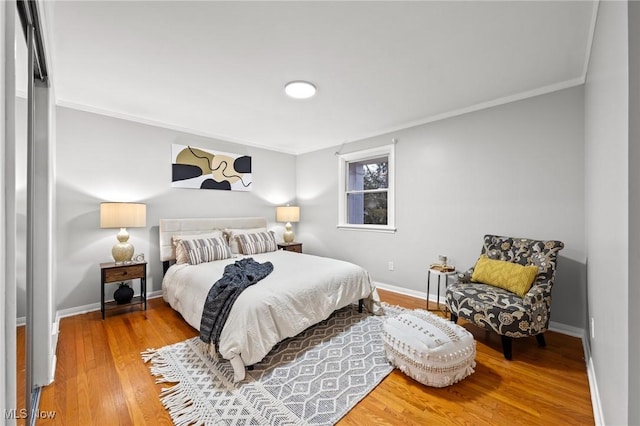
232	236
181	254
278	231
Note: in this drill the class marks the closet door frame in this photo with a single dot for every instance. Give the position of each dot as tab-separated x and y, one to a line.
40	330
8	362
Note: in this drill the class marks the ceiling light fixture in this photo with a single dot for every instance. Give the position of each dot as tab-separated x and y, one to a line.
299	89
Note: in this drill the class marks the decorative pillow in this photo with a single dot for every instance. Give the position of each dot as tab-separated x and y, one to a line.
507	275
233	233
181	254
260	242
205	250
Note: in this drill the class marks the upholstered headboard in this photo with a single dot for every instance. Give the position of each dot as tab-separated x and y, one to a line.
170	227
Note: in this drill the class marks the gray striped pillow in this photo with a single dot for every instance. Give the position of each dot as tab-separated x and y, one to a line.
206	250
257	242
181	254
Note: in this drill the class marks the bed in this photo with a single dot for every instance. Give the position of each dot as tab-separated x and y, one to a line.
301	291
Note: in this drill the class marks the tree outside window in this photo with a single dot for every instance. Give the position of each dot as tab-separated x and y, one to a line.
367	192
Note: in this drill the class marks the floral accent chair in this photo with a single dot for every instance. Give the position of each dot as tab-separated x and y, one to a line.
500	310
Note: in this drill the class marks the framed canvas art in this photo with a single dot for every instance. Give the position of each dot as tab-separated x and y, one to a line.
201	168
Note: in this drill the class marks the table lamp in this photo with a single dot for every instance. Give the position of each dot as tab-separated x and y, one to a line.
123	216
288	214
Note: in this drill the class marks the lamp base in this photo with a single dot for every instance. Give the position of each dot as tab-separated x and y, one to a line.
288	233
123	250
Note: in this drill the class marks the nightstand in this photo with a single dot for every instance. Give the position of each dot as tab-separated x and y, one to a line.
116	273
296	247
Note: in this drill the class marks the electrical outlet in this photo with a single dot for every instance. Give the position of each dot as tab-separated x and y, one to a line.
593	328
390	265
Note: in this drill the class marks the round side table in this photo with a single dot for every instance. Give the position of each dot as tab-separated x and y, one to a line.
443	272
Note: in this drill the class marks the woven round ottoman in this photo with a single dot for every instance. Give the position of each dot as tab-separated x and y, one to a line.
430	349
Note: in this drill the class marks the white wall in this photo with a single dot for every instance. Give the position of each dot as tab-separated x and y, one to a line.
607	207
100	158
515	169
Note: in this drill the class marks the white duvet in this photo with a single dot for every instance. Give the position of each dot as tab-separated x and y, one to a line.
301	291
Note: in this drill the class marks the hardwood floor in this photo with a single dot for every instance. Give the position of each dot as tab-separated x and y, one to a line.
101	379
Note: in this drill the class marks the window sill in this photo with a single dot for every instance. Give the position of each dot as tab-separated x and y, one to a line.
371	228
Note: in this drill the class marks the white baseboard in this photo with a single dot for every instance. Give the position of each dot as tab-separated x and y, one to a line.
52	368
569	330
55	331
402	290
78	310
69	312
593	384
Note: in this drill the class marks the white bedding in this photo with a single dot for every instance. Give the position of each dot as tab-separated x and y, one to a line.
301	291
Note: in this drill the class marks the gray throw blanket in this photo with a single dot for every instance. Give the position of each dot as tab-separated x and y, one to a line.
222	295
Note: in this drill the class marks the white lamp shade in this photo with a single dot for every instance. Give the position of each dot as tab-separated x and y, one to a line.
123	215
288	214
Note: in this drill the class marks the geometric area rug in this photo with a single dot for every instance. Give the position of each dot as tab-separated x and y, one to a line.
314	378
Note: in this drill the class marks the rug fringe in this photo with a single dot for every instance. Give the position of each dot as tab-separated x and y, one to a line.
148	354
163	370
181	406
177	399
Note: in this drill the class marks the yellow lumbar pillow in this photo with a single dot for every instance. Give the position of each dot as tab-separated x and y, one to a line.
507	275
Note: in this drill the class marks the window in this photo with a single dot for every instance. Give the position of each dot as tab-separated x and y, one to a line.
367	190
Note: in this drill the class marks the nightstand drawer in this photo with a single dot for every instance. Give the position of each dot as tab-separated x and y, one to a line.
295	247
128	272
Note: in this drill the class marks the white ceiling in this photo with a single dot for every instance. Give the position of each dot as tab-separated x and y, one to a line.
219	68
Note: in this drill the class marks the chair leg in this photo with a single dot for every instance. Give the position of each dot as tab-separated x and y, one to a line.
454	318
506	346
540	339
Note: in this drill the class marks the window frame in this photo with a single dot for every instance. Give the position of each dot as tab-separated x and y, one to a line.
363	155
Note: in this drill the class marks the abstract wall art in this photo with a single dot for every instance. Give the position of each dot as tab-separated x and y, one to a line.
206	169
